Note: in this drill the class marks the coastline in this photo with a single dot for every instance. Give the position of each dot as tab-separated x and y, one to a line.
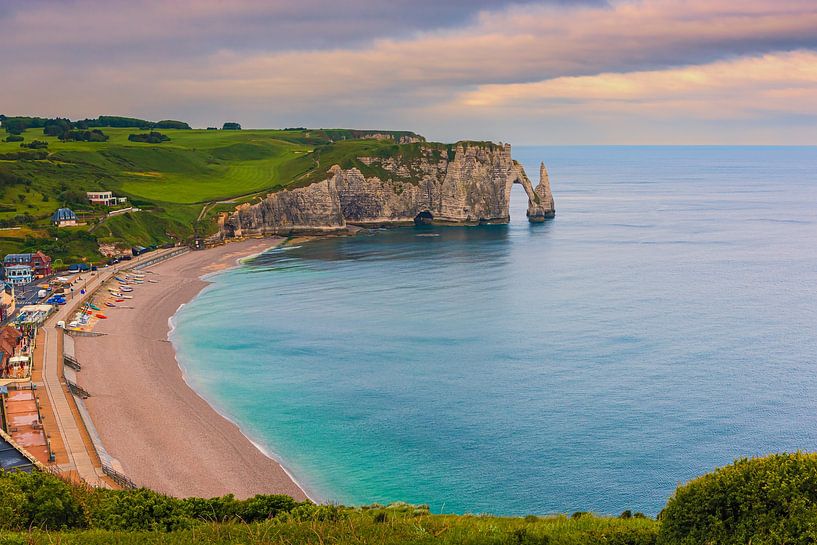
173	441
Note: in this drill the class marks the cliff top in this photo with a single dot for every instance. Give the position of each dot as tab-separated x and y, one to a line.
181	182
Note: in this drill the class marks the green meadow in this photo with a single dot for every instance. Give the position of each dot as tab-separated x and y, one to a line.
180	185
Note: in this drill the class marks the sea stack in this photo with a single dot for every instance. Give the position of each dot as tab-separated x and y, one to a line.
541	207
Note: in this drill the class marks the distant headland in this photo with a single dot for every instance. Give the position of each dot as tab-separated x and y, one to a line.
165	183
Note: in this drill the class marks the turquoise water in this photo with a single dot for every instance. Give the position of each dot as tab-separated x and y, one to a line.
663	324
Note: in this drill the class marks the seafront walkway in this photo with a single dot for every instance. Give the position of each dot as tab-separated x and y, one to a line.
81	456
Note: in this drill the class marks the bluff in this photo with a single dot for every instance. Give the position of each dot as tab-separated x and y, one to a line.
465	184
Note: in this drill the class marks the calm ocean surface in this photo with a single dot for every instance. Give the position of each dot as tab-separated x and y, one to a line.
663	324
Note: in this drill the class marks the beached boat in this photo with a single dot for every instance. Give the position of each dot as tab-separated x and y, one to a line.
93	306
102	316
109	304
126	288
153	281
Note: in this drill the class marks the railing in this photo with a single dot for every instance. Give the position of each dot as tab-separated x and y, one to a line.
78	333
162	257
77	390
71	362
117	477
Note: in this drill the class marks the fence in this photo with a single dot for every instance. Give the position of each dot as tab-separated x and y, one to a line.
117	477
71	362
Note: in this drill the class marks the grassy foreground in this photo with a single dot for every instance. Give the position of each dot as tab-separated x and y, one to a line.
762	501
376	526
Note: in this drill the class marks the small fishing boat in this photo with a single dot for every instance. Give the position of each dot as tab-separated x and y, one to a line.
109	304
102	316
93	306
126	289
153	281
120	300
121	280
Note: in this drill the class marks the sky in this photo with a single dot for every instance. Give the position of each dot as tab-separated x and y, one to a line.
524	72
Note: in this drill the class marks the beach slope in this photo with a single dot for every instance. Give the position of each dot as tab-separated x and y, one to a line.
164	434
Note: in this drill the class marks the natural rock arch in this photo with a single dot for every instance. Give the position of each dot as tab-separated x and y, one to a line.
540	199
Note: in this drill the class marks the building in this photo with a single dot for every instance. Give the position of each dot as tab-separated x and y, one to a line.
64	217
39	262
105	197
7	302
19	274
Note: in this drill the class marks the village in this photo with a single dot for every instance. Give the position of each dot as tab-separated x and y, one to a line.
33	290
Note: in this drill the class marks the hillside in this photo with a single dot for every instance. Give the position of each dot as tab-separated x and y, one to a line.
180	184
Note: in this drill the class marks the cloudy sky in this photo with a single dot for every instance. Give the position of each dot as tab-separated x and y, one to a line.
526	72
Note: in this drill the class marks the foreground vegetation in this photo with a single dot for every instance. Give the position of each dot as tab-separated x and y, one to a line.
180	178
770	500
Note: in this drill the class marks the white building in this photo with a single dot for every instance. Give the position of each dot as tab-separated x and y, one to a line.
105	197
19	274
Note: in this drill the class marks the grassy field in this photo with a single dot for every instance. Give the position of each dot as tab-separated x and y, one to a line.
380	527
180	185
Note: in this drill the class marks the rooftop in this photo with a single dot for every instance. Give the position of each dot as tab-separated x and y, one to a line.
64	214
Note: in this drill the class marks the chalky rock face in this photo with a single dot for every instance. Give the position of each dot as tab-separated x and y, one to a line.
469	185
541	207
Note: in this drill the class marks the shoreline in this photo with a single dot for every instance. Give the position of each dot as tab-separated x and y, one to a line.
173	439
214	406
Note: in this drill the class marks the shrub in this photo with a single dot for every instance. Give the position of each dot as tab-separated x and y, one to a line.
12	498
140	509
211	509
24	155
759	500
262	507
152	137
14	138
49	502
35	144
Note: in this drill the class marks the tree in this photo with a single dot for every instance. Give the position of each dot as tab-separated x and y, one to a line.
170	124
152	137
758	500
231	126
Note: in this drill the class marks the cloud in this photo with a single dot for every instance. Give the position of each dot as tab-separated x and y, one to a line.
756	86
402	63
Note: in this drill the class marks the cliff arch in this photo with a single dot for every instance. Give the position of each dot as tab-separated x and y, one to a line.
424	218
540	199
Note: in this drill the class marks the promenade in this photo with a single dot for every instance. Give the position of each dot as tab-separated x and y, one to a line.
81	456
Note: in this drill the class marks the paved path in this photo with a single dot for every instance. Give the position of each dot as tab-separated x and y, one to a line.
79	458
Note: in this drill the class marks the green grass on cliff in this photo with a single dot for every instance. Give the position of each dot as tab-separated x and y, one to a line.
181	184
376	527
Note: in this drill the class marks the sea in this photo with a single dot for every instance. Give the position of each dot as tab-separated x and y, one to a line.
662	325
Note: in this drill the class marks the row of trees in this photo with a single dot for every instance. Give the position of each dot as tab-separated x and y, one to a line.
60	125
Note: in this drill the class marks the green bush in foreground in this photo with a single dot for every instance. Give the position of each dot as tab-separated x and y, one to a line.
770	500
761	500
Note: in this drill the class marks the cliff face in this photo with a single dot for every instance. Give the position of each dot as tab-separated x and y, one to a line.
469	185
